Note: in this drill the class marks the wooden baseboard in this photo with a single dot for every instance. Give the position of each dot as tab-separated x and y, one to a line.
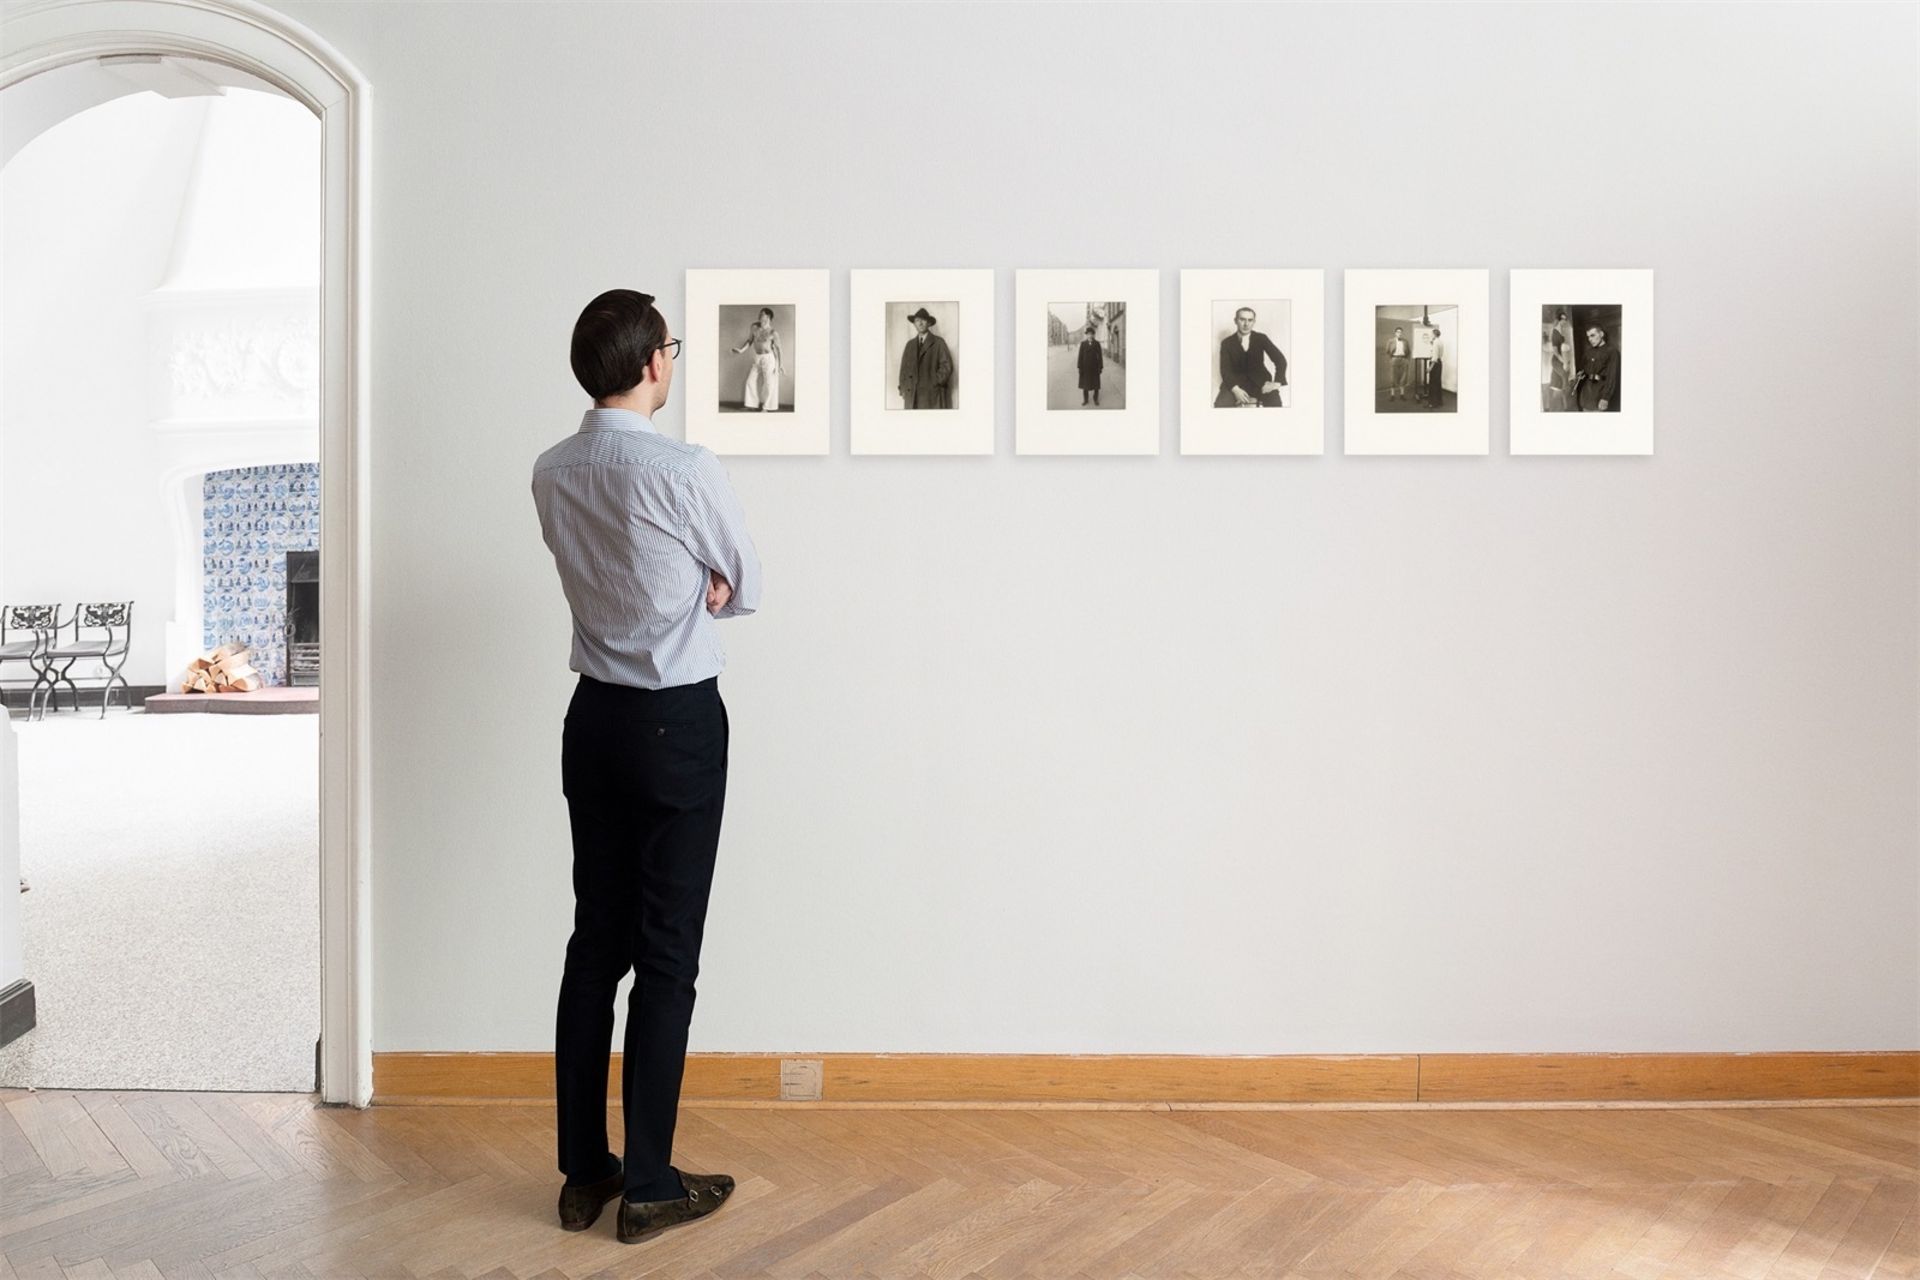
1124	1079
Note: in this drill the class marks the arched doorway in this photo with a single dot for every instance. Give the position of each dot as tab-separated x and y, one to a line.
260	42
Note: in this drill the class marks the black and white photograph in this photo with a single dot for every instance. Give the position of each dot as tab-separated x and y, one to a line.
1250	357
922	335
1580	358
922	360
756	358
1086	360
1423	390
1251	363
1086	355
1415	350
1587	387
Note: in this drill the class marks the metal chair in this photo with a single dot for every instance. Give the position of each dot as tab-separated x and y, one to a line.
39	622
116	620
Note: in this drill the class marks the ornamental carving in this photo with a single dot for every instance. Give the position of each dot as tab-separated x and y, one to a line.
278	359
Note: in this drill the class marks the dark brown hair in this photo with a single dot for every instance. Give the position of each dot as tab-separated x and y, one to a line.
614	339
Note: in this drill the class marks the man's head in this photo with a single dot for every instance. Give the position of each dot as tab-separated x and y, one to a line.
1595	335
1399	332
621	351
922	320
1243	320
766	316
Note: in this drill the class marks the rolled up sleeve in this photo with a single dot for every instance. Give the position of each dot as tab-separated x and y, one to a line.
714	527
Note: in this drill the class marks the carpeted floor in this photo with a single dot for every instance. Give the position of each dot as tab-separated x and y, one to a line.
172	927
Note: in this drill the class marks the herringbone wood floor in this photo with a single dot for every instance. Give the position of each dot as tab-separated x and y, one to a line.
103	1185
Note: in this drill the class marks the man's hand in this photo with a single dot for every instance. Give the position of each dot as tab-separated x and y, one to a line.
718	592
1270	386
1240	396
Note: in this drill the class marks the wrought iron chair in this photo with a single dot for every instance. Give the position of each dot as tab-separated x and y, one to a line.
110	651
38	622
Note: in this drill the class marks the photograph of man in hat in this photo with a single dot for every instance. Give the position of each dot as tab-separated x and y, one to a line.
926	366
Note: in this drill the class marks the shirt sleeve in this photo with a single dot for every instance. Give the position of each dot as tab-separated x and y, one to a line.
714	527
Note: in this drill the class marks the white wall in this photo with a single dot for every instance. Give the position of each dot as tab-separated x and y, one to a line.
148	244
87	218
1176	754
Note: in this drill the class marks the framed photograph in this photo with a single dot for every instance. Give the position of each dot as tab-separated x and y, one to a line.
1582	367
1417	360
922	361
756	360
1087	361
1252	366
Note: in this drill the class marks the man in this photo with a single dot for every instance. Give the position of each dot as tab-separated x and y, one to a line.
1598	382
1399	365
1438	350
926	367
1244	357
1092	364
652	547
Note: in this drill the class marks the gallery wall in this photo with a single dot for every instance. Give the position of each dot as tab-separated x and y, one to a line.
1190	755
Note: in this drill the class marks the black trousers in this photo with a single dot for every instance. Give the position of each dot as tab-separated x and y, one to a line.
645	776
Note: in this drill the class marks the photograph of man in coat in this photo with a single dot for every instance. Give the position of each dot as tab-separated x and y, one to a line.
926	367
1092	364
1244	358
1597	388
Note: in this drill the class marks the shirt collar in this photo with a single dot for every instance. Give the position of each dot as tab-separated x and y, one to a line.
599	419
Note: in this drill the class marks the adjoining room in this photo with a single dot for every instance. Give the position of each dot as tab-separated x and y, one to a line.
159	555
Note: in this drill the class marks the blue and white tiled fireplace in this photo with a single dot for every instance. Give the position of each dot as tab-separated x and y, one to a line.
255	517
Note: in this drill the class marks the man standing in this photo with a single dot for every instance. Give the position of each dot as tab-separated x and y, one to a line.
1244	358
1092	364
1433	369
926	367
1599	389
652	547
1399	364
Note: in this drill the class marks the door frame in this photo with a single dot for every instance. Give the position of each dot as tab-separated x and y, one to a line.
45	34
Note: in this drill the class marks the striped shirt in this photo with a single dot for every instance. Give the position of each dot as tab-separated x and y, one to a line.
636	521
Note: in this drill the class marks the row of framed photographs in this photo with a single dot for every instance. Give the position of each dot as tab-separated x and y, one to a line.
1252	361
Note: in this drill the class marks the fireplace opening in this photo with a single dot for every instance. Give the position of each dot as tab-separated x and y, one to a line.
303	617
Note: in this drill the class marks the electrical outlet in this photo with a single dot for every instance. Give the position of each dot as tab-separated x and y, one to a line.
800	1079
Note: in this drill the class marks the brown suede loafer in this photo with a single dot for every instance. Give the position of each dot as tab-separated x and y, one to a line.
705	1193
580	1206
